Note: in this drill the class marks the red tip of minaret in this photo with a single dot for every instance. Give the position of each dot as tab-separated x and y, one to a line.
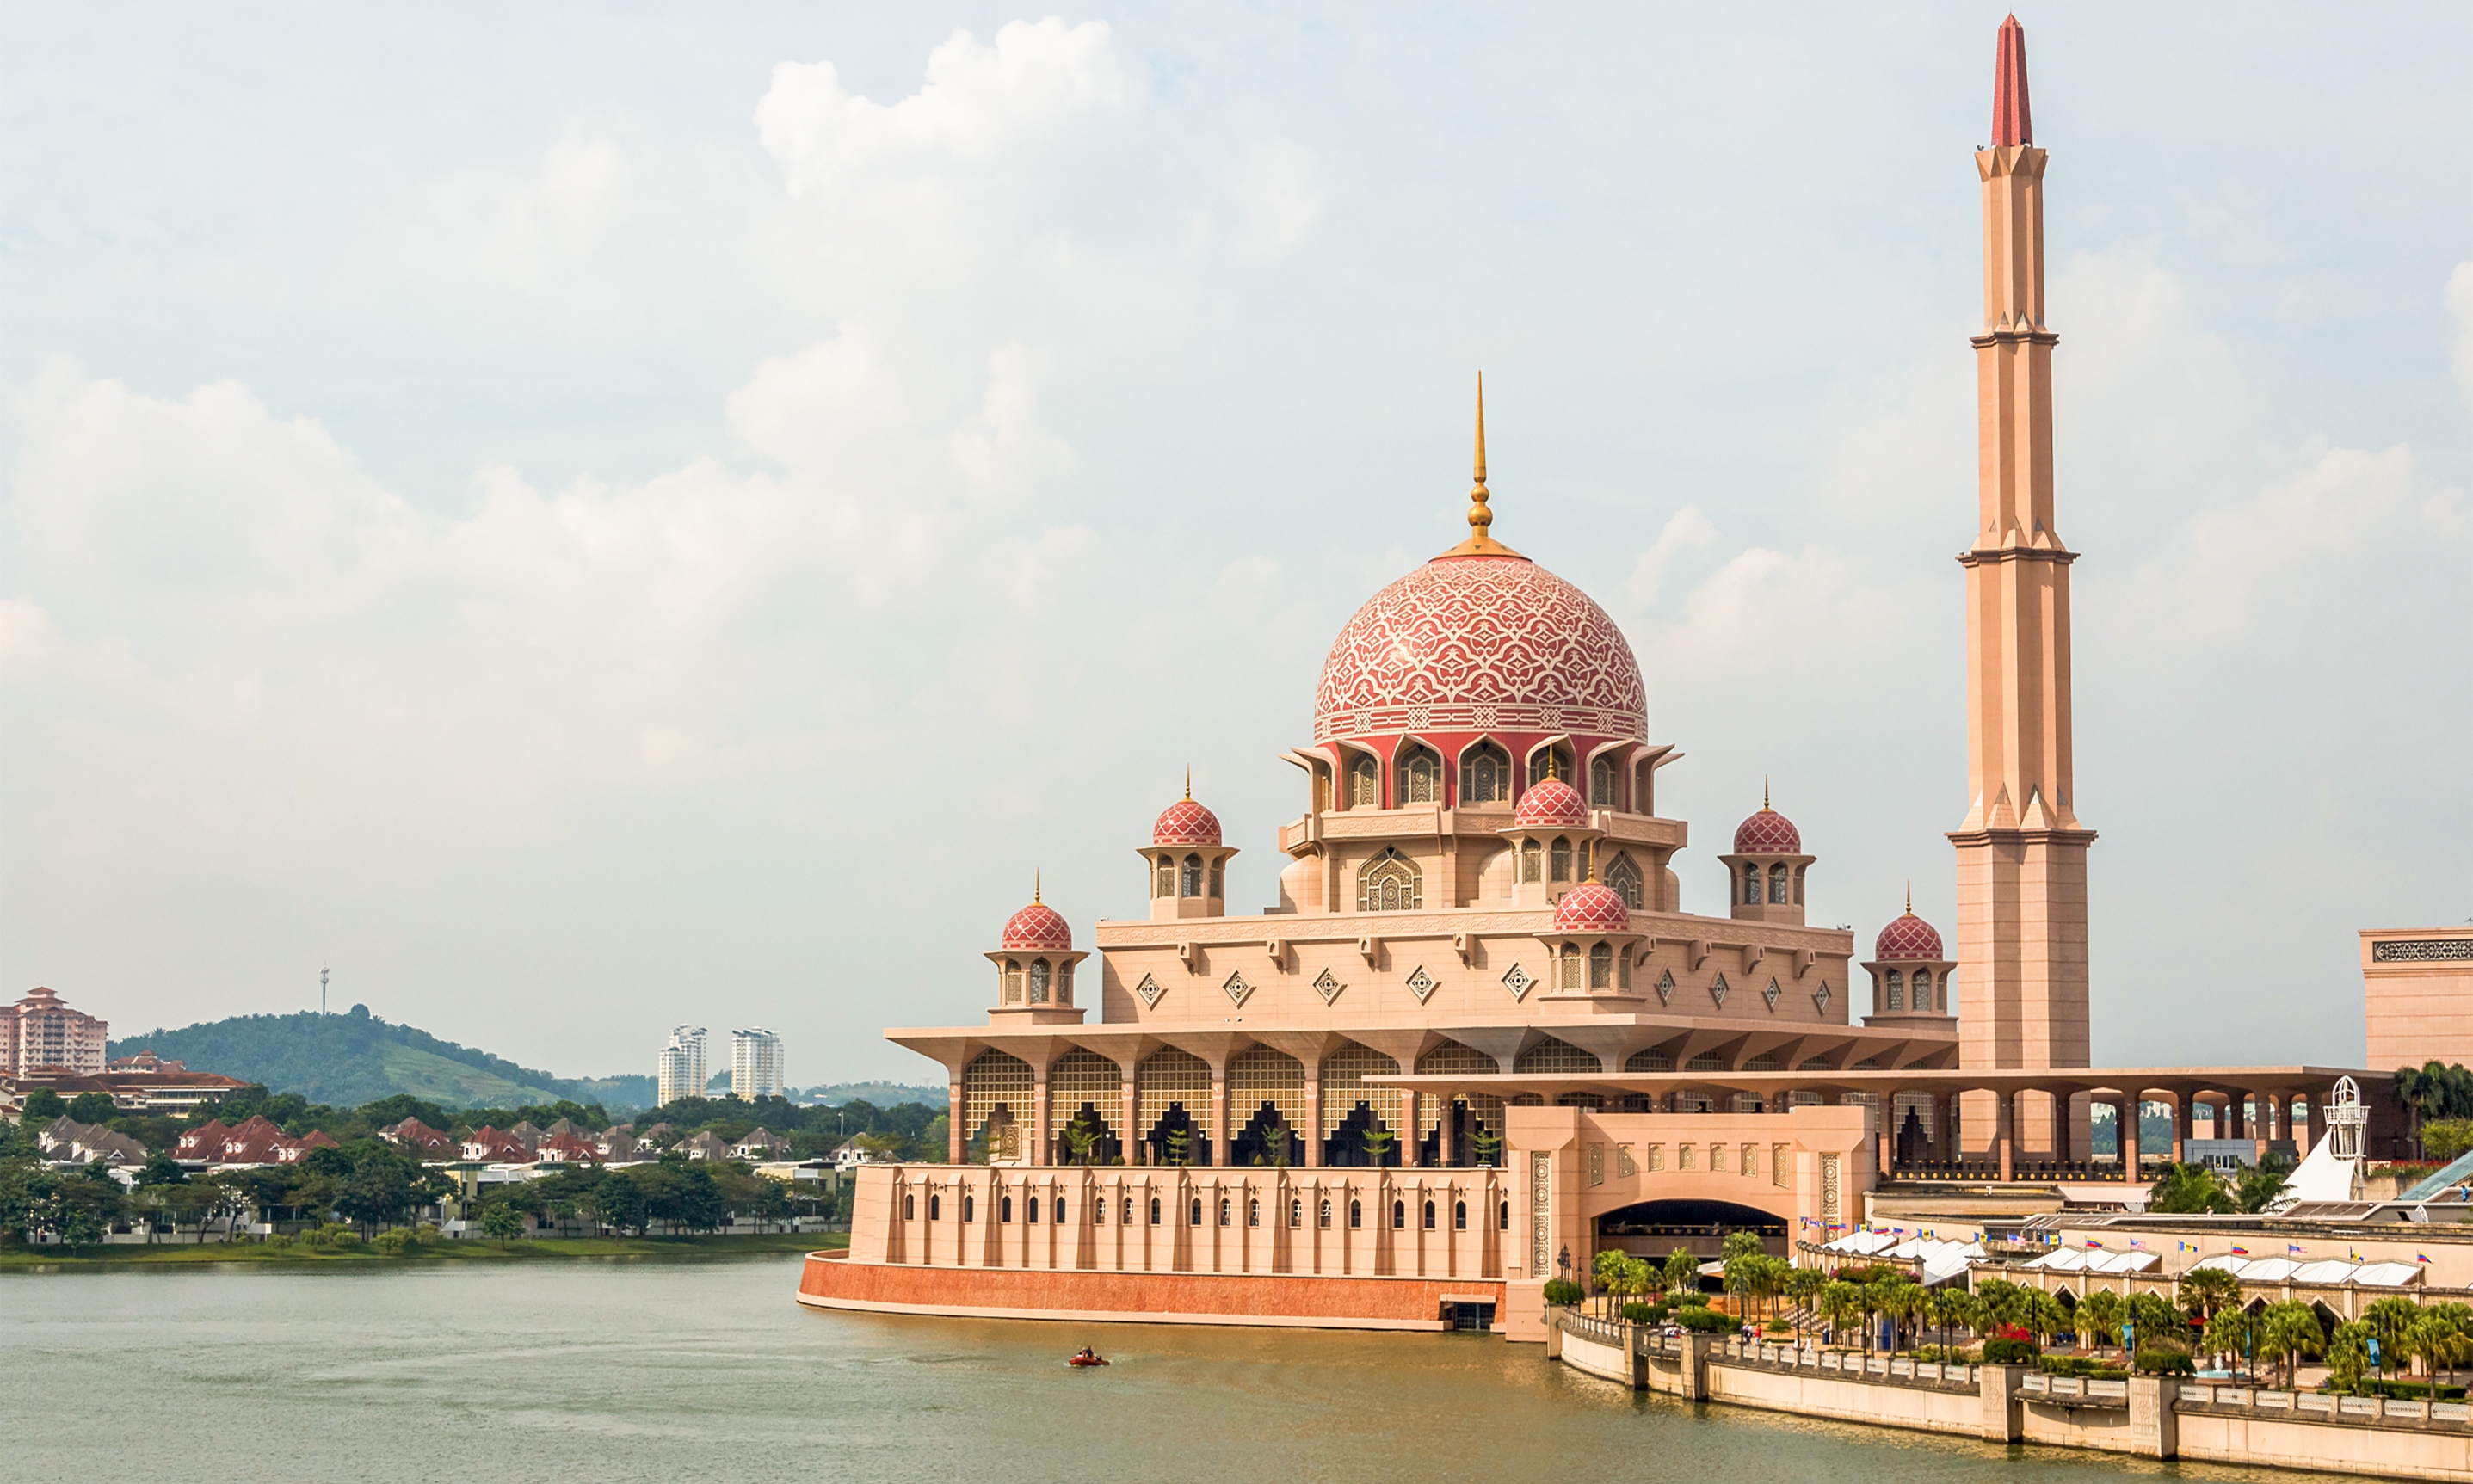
2010	124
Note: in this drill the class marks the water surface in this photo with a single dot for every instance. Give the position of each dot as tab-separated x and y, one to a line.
690	1370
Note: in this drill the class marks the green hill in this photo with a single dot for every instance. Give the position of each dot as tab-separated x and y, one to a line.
354	1057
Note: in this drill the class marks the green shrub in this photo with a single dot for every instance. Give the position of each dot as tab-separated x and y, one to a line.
396	1244
2082	1365
1645	1313
2408	1391
279	1241
1780	1327
1562	1290
1954	1354
2011	1353
1706	1321
2165	1360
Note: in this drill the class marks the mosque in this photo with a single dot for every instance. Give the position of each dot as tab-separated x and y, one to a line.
1477	1039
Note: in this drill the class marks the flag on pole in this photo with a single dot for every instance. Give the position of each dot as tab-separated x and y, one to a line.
2421	1256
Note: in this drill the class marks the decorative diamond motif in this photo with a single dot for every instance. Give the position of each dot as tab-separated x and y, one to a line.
1421	984
1717	992
1518	982
1771	993
1666	985
1237	986
1821	997
1150	992
1327	984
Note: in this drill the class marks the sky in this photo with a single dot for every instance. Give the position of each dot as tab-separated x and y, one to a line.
579	520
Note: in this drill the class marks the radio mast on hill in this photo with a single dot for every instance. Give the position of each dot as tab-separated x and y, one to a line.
322	991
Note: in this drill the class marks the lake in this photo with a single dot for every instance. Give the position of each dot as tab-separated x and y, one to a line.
693	1370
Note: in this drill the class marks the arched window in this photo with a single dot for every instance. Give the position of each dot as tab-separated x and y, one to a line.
1532	861
1459	1216
1601	966
1219	878
1322	1218
1777	885
1004	1210
1321	788
1296	1214
970	1208
1430	1215
1226	1212
1922	999
1195	1219
1948	988
1192	886
1253	1213
1420	773
1624	879
1551	762
1571	976
1798	886
1562	861
1605	783
1040	977
1751	885
1398	1216
910	1207
1033	1212
1503	1219
1155	1211
1485	774
1389	882
1356	1215
1065	983
935	1208
1897	990
1009	983
1099	1212
1364	783
1166	885
1129	1210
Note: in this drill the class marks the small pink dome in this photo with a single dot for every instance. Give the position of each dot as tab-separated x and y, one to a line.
1038	928
1908	940
1767	833
1549	803
1592	908
1186	823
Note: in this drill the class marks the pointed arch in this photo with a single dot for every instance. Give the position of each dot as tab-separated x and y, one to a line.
1485	774
1419	770
1551	1056
1390	882
1624	878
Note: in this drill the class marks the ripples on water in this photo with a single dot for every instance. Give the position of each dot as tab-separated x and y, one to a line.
616	1373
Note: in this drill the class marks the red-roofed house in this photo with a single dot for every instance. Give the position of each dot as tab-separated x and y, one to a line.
412	1134
567	1149
496	1146
205	1142
290	1150
253	1142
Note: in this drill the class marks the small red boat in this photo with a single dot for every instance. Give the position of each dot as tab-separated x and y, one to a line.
1087	1358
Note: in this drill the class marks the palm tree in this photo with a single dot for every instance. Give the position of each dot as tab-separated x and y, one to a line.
2455	1344
1951	1307
2291	1329
1803	1285
2389	1320
2348	1355
2232	1331
1682	1272
1607	1269
2206	1290
2100	1318
1842	1303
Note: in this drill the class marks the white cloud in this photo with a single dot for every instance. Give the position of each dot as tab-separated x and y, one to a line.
1686	530
1279	198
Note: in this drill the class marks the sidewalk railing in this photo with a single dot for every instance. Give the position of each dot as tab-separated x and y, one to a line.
2319	1404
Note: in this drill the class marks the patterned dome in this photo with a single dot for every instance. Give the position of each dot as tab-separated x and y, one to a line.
1550	802
1039	930
1186	823
1481	643
1767	833
1592	908
1908	940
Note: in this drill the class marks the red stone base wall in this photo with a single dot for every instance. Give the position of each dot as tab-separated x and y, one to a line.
831	1280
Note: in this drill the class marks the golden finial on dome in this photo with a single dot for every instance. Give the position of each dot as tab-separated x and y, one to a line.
1189	782
1910	898
1765	792
1479	543
1034	886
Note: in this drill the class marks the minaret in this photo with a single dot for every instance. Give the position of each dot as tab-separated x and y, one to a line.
2022	899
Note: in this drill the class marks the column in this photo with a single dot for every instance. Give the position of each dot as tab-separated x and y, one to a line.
1943	1131
1888	1135
1131	1129
1411	1144
2129	1116
1312	1131
2005	1133
1220	1133
1445	1149
1042	1132
2184	1103
955	1135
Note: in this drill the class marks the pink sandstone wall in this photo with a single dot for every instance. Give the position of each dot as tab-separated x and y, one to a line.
831	1280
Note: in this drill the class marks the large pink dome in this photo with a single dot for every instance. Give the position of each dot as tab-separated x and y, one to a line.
1037	929
1480	644
1767	833
1908	940
1186	823
1592	908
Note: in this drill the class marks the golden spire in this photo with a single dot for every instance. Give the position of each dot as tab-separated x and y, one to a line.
1189	780
1034	886
1479	543
1910	898
1765	792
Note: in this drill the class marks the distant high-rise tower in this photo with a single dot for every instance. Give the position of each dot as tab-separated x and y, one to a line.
681	1073
754	1064
2021	894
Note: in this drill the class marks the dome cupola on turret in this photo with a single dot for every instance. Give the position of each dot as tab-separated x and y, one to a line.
1035	958
1911	974
1764	873
1187	862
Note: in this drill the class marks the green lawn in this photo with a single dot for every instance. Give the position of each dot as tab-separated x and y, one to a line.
475	1249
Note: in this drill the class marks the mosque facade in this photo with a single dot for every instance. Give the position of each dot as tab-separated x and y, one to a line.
1477	1039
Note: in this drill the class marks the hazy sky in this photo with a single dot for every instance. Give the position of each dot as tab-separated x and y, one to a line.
588	518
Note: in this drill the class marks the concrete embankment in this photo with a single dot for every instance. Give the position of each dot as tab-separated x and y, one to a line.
2151	1417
